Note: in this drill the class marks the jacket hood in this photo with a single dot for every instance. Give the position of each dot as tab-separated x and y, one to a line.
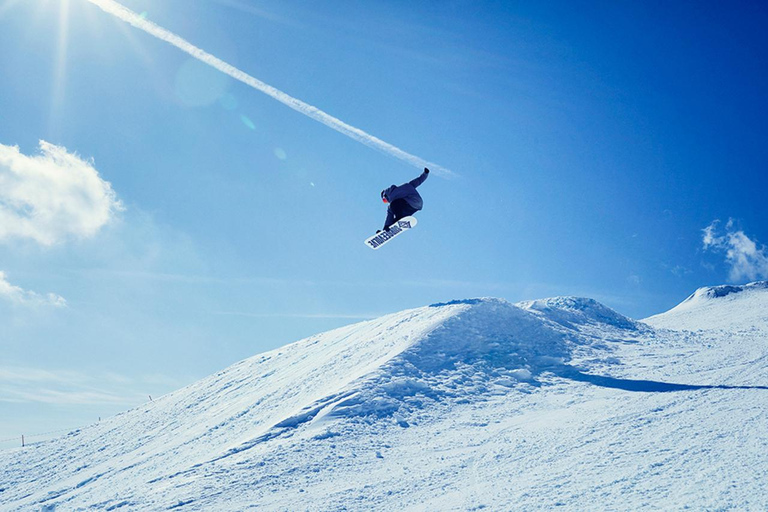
385	193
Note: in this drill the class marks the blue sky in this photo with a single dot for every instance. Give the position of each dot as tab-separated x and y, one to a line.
595	143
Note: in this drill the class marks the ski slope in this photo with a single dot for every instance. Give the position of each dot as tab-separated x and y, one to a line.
719	307
474	404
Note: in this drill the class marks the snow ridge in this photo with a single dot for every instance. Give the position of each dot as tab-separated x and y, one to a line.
718	307
714	292
574	311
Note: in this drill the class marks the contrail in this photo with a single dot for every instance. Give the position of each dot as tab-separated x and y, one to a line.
125	14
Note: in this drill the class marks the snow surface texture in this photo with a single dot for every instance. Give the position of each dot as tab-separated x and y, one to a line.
468	405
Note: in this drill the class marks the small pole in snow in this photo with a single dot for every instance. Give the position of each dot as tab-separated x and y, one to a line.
150	398
22	440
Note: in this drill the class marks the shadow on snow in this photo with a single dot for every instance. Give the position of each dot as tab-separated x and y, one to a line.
642	386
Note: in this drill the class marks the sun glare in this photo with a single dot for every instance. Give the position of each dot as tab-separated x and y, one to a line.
60	71
61	48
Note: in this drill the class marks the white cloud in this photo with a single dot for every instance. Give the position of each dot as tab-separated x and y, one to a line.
343	316
52	196
17	295
57	397
19	384
747	260
680	270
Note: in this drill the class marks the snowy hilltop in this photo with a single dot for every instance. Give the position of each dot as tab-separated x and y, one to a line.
468	405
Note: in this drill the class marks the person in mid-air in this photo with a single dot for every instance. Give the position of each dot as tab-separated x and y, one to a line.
403	200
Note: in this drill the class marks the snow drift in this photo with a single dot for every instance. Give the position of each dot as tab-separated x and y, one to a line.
462	405
719	307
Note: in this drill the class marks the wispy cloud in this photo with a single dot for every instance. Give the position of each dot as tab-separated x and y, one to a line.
19	384
292	281
18	295
51	196
746	259
125	14
251	8
62	397
343	316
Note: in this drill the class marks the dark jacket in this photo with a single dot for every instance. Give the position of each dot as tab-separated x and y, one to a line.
406	192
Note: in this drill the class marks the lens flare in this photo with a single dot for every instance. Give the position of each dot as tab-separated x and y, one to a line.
247	122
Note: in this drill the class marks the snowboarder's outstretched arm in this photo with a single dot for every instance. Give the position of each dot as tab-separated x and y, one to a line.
418	181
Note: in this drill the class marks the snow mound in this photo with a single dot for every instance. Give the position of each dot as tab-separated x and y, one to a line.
576	311
718	307
488	342
462	301
393	369
715	292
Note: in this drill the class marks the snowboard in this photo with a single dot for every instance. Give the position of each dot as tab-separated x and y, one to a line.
401	226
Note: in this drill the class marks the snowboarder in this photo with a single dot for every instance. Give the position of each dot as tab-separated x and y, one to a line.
403	201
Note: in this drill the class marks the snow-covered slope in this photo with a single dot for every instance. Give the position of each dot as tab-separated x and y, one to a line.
719	307
459	406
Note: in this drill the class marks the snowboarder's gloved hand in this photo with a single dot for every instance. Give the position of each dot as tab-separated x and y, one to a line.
426	170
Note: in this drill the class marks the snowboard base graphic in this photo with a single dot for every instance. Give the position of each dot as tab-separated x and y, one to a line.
381	238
